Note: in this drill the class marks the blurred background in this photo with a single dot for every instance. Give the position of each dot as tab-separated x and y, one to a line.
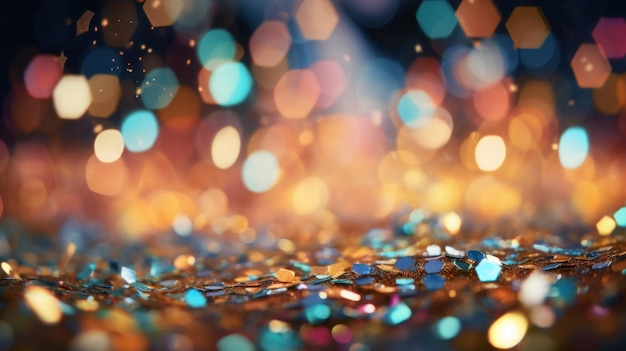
136	118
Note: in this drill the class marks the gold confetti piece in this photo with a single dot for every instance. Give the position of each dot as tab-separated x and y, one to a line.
387	267
87	305
67	257
319	270
350	295
285	275
43	304
338	268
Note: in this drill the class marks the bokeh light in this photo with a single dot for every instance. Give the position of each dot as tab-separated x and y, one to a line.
260	171
573	147
42	75
106	178
415	107
216	47
436	18
230	84
508	330
140	130
162	13
72	96
226	147
106	93
590	67
109	145
159	88
478	18
119	22
528	27
296	93
269	43
490	153
609	34
317	19
310	195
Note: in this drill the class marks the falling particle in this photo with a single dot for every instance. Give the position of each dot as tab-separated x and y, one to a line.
195	299
44	304
128	275
508	330
488	271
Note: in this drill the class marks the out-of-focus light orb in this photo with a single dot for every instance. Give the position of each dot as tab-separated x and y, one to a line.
528	27
590	67
269	43
435	131
140	131
452	222
192	15
106	92
371	13
611	97
225	147
260	171
490	153
492	103
121	19
106	178
71	96
216	47
610	36
310	195
109	145
483	66
478	18
573	147
296	93
230	84
436	18
415	107
317	19
620	216
448	327
162	13
508	330
332	81
235	342
101	60
41	76
606	225
43	303
182	225
159	88
5	156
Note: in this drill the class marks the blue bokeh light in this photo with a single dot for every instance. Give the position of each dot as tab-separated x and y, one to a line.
140	131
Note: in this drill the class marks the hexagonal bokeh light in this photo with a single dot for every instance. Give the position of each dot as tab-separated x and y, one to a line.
610	35
528	27
590	67
436	18
478	18
317	19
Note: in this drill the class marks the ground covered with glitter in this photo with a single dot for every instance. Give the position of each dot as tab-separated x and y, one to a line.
384	291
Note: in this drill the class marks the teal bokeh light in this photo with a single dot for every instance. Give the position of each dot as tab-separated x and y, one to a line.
436	18
216	46
573	147
230	84
448	327
159	88
140	130
415	108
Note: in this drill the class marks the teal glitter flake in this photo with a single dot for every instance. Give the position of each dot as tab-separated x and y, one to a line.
195	299
488	271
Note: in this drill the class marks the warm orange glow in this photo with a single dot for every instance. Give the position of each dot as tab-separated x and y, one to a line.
105	178
490	153
44	304
310	195
269	43
106	93
296	93
508	330
317	19
109	145
225	148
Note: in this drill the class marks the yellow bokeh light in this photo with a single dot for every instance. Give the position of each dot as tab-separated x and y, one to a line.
162	13
508	330
317	19
606	225
490	153
310	195
72	96
33	193
105	178
452	222
296	93
226	147
44	304
109	145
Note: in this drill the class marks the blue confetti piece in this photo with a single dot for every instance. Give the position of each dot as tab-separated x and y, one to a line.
364	280
475	255
433	266
195	299
488	271
397	314
404	281
464	266
361	269
551	266
86	272
601	265
433	282
404	262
